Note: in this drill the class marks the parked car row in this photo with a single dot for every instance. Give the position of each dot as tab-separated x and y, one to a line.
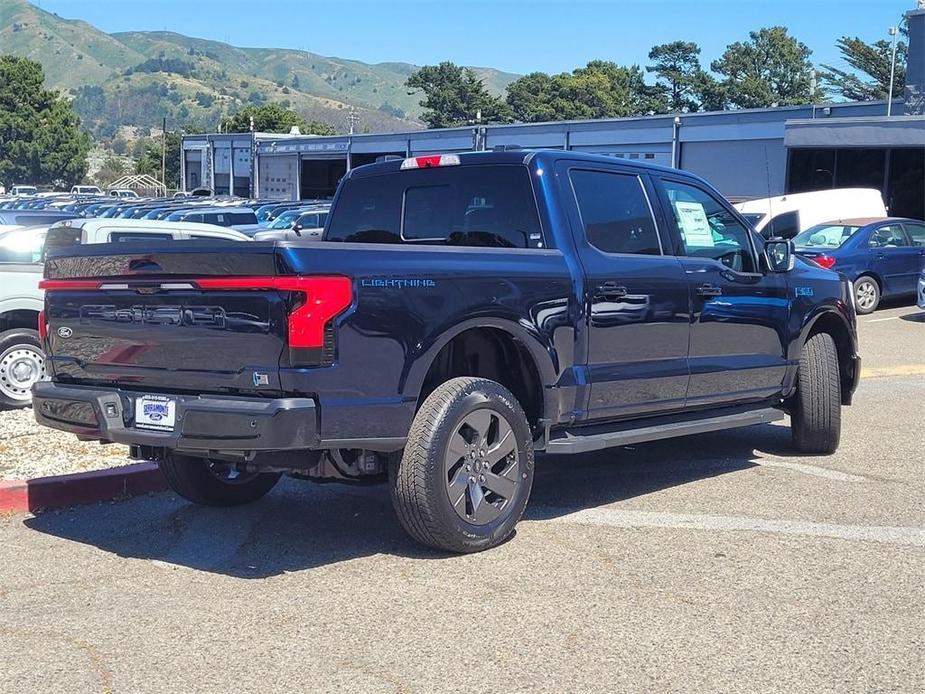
32	224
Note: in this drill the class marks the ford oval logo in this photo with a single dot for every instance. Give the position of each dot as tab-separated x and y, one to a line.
65	332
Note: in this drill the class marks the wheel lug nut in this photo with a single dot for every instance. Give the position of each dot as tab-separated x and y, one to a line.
481	478
472	480
468	468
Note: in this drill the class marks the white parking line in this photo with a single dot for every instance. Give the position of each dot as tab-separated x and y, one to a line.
880	320
618	518
814	470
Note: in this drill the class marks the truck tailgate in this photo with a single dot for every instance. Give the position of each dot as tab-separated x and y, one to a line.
144	318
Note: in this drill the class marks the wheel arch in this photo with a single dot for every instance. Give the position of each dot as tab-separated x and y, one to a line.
490	348
835	324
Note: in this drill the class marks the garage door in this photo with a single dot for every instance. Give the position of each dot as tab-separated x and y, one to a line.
279	177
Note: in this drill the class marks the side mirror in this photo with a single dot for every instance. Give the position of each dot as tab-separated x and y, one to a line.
780	254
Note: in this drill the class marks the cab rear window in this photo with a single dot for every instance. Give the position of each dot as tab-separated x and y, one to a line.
459	206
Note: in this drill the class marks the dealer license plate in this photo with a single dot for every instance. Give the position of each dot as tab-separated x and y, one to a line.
156	412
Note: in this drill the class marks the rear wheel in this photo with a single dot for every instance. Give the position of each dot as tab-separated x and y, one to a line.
213	482
465	476
815	419
22	364
866	294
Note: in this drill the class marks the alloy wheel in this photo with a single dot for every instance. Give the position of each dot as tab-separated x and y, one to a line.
482	467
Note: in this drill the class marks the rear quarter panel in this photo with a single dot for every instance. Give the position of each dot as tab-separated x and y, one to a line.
409	302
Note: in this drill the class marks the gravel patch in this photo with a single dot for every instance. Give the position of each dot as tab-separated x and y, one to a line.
28	450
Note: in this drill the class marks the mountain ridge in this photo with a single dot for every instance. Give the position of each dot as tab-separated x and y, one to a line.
137	77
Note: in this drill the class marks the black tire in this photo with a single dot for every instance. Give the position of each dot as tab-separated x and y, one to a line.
420	481
815	419
201	481
866	294
20	349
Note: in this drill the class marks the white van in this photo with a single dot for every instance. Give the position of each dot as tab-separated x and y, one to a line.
785	216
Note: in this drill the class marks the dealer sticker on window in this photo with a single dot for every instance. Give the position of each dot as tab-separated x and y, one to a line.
155	412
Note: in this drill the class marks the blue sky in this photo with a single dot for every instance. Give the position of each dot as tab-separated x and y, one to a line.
513	35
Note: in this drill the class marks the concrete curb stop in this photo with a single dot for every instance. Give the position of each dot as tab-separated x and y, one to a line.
22	496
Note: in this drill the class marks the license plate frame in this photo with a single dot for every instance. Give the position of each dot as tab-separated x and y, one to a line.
155	413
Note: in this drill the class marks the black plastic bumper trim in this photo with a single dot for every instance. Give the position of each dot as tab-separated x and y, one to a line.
204	422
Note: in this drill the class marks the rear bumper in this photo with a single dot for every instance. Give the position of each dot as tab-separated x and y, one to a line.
203	422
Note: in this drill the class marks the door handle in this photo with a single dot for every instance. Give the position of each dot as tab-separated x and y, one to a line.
610	291
709	290
881	256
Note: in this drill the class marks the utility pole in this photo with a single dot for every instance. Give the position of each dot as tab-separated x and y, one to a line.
889	101
164	153
353	119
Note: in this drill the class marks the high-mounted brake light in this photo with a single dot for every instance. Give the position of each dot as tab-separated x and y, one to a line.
430	161
826	261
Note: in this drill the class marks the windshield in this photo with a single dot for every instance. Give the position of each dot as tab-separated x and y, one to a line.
825	236
285	220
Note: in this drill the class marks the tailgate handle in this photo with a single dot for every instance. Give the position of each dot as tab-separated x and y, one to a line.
144	265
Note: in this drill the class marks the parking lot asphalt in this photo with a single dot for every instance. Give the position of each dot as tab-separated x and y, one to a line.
722	562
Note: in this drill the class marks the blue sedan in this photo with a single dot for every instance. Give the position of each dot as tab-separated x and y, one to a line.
882	257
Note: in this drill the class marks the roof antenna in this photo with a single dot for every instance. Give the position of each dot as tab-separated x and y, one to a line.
767	178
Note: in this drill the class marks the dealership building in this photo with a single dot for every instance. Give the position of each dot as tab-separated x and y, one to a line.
747	153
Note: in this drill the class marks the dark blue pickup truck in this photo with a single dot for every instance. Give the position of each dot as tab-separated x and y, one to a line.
462	312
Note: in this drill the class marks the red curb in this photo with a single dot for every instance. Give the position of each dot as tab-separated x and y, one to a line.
20	496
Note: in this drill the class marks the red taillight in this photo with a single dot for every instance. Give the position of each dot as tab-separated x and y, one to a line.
325	299
68	284
43	327
826	261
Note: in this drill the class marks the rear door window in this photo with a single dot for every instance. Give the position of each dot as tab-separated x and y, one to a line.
916	232
462	206
890	236
615	212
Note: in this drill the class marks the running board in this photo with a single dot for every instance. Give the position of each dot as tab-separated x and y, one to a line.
582	443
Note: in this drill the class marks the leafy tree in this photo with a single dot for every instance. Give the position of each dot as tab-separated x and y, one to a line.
272	118
677	66
771	68
601	89
872	60
40	137
531	97
149	158
454	95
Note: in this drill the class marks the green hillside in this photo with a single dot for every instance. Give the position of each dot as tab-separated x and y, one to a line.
136	78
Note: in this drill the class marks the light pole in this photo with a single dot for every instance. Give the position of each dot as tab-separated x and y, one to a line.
889	101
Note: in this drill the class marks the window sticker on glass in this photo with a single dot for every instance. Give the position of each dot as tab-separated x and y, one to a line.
695	228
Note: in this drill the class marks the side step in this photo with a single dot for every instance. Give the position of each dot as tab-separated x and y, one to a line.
595	438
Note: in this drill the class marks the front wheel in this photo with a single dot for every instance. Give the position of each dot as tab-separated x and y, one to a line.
815	419
213	482
467	469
